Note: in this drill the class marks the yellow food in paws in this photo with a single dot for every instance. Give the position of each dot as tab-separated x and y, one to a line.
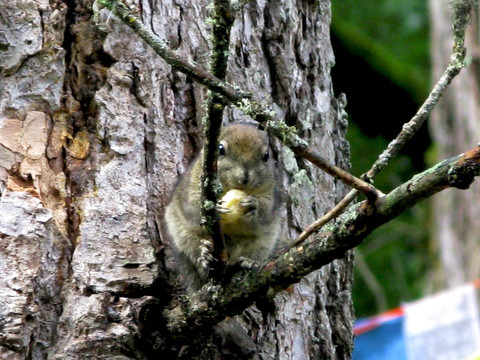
231	200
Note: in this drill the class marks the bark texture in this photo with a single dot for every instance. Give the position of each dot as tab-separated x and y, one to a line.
95	129
454	126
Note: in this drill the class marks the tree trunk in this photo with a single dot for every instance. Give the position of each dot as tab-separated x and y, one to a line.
455	126
96	128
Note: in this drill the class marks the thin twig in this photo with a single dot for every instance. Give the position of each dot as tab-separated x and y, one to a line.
331	214
367	189
239	98
409	129
462	10
188	67
221	24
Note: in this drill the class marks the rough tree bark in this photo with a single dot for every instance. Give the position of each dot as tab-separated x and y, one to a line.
455	126
95	129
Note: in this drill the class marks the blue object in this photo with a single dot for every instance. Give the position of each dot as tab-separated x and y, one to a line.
385	342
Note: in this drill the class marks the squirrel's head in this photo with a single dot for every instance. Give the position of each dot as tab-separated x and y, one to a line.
244	160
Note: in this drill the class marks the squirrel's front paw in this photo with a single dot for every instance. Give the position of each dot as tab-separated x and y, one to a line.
229	207
250	204
221	209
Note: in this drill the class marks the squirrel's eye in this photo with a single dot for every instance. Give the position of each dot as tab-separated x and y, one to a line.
221	149
266	156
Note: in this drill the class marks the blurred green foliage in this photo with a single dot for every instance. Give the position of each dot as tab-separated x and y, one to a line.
397	255
393	264
391	35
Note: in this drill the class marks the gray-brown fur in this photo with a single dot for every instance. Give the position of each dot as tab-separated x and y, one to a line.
244	164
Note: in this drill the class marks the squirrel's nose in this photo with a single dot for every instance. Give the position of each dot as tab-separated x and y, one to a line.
243	179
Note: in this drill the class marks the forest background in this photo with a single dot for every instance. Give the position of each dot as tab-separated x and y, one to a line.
385	44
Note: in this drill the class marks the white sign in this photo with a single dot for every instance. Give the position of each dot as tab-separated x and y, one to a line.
444	326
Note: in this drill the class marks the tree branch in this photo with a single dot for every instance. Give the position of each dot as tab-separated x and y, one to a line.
221	24
333	213
213	303
456	64
462	10
461	17
241	99
409	129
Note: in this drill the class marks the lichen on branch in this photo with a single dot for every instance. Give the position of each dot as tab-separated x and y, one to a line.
242	99
221	20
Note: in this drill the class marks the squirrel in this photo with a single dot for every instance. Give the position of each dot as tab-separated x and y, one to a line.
244	163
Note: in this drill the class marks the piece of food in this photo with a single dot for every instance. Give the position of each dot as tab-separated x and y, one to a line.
230	202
